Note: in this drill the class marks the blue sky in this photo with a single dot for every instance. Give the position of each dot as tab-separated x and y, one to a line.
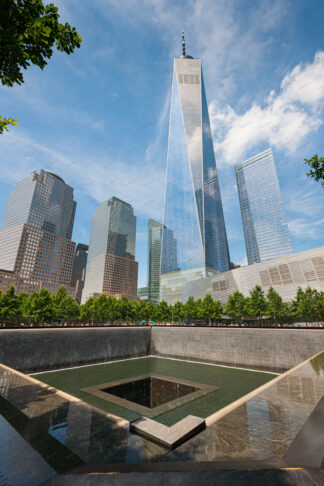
99	117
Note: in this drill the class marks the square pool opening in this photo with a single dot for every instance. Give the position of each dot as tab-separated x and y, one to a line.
151	391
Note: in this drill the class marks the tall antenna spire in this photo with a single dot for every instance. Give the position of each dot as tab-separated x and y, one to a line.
183	44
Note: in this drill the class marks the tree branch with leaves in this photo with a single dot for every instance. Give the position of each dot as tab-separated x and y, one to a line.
316	165
29	33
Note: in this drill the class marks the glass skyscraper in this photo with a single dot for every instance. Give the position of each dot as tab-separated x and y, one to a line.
35	237
193	209
154	259
111	266
264	221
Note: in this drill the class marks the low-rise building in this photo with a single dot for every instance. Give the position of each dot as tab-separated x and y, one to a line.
284	274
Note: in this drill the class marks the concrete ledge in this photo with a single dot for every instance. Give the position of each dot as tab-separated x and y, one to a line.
170	437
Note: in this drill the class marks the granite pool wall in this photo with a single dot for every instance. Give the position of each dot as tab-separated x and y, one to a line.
31	350
264	349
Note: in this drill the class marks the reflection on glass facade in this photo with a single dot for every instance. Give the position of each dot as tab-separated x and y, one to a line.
263	217
111	266
79	268
194	234
35	237
154	259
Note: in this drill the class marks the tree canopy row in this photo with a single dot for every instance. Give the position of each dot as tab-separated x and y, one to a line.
43	307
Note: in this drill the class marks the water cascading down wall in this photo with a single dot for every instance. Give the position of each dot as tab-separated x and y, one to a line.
31	350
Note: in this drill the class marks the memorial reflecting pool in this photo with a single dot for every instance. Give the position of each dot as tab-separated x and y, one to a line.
45	432
208	387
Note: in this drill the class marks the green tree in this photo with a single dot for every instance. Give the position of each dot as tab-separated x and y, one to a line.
287	310
70	310
29	32
247	308
5	122
39	307
139	310
113	310
22	299
149	311
256	305
101	309
126	309
210	309
163	313
218	310
295	303
316	165
274	305
190	310
320	305
58	303
9	304
177	311
235	306
87	311
308	304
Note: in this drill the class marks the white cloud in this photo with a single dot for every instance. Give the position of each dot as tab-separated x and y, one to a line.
305	209
305	83
94	174
303	227
283	122
156	149
301	199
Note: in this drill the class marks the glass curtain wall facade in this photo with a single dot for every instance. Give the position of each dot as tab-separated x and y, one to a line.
111	266
264	221
35	237
79	268
154	259
193	211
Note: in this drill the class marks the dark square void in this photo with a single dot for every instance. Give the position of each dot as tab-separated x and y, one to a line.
151	391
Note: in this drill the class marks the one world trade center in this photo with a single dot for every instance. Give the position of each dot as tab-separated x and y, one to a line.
194	242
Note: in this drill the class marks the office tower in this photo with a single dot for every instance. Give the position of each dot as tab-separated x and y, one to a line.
111	266
35	237
154	259
79	268
193	209
264	222
142	293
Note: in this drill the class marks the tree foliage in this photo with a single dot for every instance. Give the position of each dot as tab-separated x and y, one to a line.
235	306
210	309
274	305
316	165
256	304
309	304
5	122
43	308
29	33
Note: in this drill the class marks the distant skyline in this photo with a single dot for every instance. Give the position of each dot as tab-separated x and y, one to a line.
99	117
